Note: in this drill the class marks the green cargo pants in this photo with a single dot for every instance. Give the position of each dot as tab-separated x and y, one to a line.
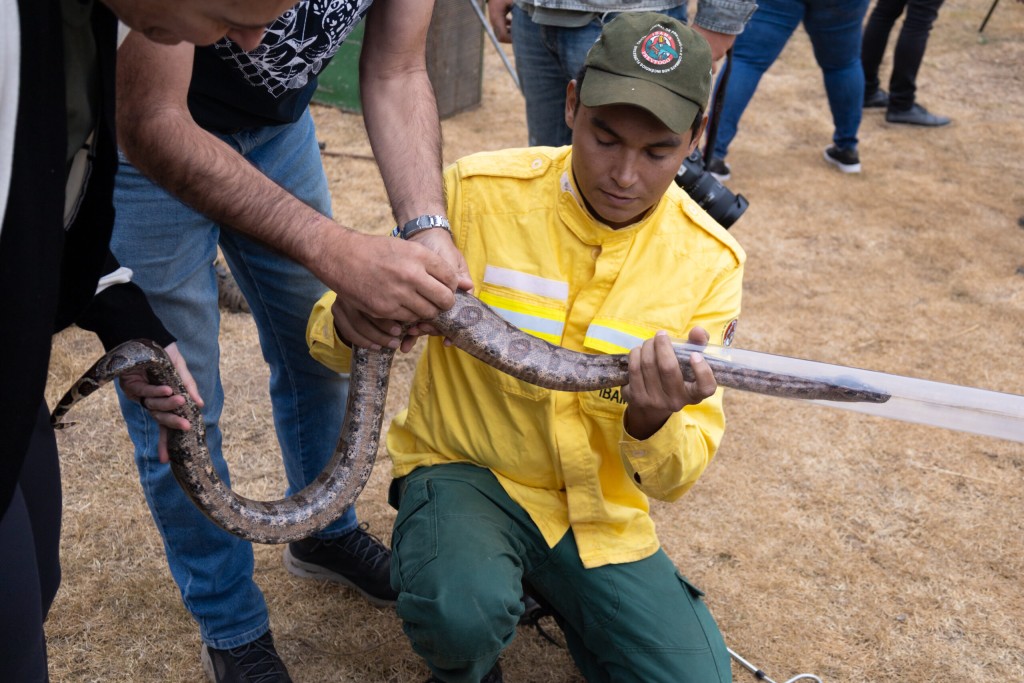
461	549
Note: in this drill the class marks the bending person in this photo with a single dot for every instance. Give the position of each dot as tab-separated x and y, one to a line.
219	149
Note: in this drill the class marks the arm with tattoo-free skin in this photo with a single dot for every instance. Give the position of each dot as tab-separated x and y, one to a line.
386	279
400	114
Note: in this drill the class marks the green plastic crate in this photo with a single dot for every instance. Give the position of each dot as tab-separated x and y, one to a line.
339	83
455	54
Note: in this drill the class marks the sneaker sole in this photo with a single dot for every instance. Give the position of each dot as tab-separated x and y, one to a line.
720	178
845	168
204	657
308	570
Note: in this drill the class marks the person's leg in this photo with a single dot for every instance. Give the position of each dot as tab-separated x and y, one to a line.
30	571
754	51
876	37
171	250
639	621
543	79
547	58
834	27
909	52
460	546
308	399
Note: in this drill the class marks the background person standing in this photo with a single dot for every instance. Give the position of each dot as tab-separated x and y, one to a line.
906	59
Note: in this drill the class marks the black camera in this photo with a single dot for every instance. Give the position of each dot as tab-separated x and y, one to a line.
712	196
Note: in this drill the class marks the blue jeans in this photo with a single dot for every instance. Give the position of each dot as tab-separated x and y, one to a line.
547	58
834	27
171	250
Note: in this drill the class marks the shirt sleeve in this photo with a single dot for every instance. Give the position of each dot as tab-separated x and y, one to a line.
324	343
668	463
724	16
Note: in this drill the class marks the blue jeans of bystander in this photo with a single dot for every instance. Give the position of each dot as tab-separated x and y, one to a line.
171	250
834	27
547	58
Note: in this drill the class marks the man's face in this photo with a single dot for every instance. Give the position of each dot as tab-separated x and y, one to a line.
623	158
201	22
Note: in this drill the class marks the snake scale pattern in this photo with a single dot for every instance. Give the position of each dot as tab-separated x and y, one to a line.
472	327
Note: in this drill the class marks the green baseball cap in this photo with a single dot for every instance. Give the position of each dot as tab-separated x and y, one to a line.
650	61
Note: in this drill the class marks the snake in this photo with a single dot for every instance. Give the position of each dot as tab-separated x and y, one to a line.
473	327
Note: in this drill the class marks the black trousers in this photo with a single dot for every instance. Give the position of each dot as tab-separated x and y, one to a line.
29	558
909	51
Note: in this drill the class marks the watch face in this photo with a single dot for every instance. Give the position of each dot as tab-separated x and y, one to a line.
431	221
422	223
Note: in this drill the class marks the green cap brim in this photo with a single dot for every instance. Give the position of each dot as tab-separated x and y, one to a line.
601	88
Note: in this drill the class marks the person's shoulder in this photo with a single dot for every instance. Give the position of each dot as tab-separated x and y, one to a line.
521	163
709	228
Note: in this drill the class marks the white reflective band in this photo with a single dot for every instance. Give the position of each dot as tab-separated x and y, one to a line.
524	282
609	335
531	323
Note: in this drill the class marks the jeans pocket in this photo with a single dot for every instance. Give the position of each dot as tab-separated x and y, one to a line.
414	538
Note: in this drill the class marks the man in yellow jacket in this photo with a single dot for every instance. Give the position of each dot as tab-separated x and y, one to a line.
497	482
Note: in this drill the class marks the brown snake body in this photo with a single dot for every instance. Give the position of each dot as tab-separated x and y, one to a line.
472	327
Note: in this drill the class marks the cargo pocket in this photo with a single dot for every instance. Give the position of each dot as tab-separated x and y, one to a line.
414	538
711	661
701	633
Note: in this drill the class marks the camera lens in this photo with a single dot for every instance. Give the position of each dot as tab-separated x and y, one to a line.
711	195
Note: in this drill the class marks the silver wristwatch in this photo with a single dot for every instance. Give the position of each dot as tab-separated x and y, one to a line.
417	225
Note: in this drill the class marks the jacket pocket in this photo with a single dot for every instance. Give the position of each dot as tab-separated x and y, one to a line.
537	316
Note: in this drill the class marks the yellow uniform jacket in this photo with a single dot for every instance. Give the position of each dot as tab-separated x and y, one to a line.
541	261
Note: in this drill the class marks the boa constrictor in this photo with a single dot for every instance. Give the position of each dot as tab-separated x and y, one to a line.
472	327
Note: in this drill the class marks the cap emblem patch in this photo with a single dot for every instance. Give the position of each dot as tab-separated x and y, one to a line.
658	51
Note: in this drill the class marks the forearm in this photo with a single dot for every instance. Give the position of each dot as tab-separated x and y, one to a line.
400	111
205	173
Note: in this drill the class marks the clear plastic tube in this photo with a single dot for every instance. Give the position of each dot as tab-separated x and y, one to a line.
965	409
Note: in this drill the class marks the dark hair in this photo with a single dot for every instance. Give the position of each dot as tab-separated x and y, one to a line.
694	127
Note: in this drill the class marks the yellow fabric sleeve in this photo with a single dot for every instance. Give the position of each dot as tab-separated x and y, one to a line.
324	343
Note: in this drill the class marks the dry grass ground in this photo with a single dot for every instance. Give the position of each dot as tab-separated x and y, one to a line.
853	547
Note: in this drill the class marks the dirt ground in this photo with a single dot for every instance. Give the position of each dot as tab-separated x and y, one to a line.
852	547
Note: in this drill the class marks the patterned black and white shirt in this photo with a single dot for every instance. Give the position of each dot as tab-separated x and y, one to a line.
232	89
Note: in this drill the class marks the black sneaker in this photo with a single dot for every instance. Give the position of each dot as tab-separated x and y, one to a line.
916	116
357	560
846	160
876	100
719	169
255	662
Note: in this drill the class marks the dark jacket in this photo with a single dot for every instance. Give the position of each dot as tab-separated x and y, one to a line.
48	275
